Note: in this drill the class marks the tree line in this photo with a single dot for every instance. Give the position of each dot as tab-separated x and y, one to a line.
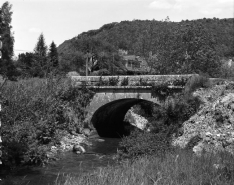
39	63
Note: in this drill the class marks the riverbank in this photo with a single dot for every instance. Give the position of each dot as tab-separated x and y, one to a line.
100	153
181	167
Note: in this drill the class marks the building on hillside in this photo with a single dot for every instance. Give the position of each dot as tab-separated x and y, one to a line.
230	62
126	64
135	64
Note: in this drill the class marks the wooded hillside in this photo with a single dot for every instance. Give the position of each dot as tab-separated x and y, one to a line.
177	46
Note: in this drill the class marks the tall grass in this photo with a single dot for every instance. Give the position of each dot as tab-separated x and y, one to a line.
182	167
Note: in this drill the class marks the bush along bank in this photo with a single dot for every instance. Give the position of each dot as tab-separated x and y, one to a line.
166	122
36	115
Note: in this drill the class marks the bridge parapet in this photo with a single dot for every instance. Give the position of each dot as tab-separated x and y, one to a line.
142	80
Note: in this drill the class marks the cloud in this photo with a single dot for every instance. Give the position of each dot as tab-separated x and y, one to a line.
35	30
209	11
160	4
205	7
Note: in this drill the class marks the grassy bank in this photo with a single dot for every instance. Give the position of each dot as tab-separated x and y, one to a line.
181	167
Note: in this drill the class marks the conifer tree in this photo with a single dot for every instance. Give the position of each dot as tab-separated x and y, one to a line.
7	69
53	55
41	48
41	66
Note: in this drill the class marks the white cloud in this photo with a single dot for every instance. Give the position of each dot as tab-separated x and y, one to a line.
160	4
205	7
35	30
211	11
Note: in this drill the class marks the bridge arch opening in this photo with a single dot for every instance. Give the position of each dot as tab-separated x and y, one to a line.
108	120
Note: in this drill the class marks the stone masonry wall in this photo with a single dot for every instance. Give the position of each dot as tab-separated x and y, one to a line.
133	80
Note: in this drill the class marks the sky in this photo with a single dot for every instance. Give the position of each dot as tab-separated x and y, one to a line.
61	20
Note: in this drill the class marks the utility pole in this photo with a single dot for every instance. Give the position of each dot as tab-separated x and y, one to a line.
112	66
87	64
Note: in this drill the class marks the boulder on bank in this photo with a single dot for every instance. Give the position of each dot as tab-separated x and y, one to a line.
78	149
84	131
214	122
136	120
68	141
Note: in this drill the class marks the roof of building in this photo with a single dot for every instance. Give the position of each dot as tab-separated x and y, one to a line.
129	57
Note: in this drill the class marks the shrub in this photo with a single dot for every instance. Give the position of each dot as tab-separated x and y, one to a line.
113	81
102	82
142	82
196	82
125	82
140	143
165	123
177	109
35	112
162	91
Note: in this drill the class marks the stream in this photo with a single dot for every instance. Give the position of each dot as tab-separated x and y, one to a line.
69	164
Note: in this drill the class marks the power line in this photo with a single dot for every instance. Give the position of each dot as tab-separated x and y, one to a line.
22	50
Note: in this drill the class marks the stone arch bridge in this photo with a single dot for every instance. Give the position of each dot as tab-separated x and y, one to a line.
115	95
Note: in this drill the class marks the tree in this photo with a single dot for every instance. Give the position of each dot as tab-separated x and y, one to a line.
7	69
199	49
27	64
41	48
53	55
40	51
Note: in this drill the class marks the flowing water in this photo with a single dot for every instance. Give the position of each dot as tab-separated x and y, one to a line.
70	163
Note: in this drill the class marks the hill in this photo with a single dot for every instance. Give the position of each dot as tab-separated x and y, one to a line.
139	37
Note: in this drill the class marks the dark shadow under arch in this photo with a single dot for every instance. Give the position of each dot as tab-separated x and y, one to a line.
108	120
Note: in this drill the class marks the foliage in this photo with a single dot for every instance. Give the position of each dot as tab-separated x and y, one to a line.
41	48
113	81
142	82
29	66
124	82
165	122
201	55
7	69
143	143
102	82
34	113
227	71
162	91
178	109
53	55
39	63
167	47
196	82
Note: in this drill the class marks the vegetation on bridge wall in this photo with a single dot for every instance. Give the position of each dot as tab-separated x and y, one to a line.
146	80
